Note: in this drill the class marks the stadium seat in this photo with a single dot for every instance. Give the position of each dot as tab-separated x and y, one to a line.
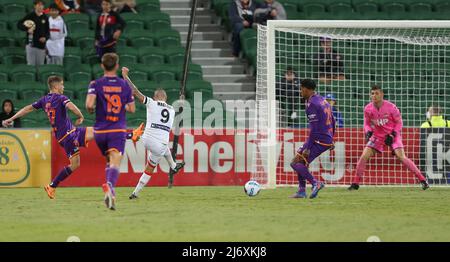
340	7
152	58
138	75
74	25
79	74
71	60
366	7
172	95
5	39
90	56
13	55
175	55
8	93
141	41
68	18
23	73
443	7
393	7
44	71
148	7
3	77
170	85
420	7
3	22
32	94
82	38
15	9
155	16
158	25
198	85
168	38
162	74
313	8
135	25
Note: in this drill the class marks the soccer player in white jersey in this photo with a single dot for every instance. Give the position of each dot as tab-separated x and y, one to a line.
160	118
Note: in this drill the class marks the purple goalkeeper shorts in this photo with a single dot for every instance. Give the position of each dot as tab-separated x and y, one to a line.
315	150
110	141
73	141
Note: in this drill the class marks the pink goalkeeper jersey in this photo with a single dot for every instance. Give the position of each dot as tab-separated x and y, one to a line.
382	121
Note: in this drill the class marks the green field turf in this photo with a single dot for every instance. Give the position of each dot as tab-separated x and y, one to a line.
226	214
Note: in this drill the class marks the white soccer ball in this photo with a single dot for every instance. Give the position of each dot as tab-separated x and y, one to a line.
252	188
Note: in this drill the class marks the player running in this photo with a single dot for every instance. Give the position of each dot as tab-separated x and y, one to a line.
160	118
382	126
110	97
322	128
71	138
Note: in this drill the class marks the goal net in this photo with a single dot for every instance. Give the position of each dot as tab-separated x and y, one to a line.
410	60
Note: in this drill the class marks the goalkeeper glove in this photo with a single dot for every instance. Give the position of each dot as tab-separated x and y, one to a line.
390	138
369	135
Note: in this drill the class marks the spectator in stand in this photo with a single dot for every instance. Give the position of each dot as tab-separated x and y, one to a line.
108	30
92	7
435	118
330	62
36	26
336	113
124	6
58	33
269	10
288	95
68	6
241	16
8	112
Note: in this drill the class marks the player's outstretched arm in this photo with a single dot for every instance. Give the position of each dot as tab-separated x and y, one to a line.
136	91
22	112
76	111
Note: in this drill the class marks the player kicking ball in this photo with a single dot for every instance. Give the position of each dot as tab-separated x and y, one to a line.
160	118
71	138
382	126
322	128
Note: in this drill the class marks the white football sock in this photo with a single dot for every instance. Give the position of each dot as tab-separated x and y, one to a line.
142	182
168	157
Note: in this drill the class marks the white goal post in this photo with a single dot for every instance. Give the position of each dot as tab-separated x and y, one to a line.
410	60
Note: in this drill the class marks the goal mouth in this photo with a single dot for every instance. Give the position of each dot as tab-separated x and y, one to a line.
410	60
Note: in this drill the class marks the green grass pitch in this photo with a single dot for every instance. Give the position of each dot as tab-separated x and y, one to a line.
226	214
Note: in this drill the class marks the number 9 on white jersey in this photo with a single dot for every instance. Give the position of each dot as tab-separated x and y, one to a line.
160	118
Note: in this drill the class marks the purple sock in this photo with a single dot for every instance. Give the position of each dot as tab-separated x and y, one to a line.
301	183
112	175
63	174
303	171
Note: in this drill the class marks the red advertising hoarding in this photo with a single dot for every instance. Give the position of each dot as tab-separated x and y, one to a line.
215	158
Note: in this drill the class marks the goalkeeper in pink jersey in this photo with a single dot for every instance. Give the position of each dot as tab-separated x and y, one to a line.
382	126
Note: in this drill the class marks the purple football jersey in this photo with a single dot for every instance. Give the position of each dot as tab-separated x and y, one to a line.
321	120
112	95
54	106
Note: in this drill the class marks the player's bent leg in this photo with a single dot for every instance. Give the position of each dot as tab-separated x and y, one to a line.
89	134
400	154
361	167
75	162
